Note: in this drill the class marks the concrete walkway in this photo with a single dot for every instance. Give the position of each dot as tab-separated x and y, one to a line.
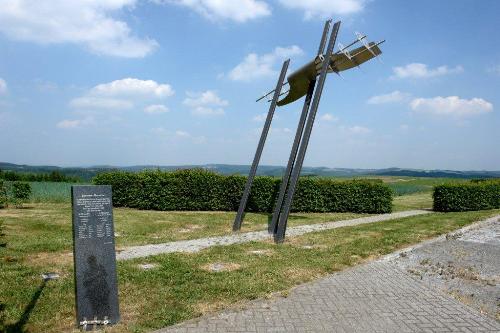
196	245
378	296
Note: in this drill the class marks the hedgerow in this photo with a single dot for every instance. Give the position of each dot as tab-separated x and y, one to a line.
199	189
467	196
3	195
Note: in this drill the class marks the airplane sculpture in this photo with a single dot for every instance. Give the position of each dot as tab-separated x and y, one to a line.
306	81
340	61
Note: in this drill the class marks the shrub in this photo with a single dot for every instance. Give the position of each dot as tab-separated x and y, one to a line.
467	196
199	189
3	195
20	192
482	180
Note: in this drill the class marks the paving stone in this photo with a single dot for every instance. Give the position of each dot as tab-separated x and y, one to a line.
375	297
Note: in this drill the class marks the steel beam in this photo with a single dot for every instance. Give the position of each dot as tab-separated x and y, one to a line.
322	43
272	227
246	193
279	236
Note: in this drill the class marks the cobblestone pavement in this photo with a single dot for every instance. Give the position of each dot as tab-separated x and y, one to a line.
465	264
378	296
196	245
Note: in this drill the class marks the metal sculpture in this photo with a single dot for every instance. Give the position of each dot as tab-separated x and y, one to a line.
307	81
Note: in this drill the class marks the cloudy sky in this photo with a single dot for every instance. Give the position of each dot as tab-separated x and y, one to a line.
170	82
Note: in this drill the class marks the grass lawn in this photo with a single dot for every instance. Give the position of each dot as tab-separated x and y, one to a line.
422	200
38	240
46	227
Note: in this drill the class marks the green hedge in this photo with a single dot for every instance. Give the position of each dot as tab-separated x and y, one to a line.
198	189
3	195
467	196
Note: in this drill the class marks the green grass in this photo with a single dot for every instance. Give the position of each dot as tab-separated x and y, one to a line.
421	200
179	288
46	227
410	185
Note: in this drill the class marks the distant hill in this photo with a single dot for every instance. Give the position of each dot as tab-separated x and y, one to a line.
86	173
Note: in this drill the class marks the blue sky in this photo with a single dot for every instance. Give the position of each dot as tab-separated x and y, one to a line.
171	82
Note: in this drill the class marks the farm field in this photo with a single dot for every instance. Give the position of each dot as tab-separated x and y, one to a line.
49	191
38	239
410	185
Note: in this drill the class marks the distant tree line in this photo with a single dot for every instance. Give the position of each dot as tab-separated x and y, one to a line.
54	176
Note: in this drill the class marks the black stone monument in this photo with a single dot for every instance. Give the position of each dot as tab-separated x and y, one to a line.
96	286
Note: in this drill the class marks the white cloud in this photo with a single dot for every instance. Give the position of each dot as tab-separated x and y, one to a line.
90	23
207	111
75	123
421	71
207	103
121	94
358	129
3	86
451	106
256	66
325	8
284	130
393	97
178	134
186	135
159	131
131	86
90	102
239	11
68	123
182	134
156	109
329	117
260	117
404	127
208	97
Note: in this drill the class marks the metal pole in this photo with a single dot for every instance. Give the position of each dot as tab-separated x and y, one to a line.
239	216
272	227
322	43
280	234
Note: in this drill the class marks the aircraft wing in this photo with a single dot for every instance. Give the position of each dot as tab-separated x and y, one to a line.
340	62
300	79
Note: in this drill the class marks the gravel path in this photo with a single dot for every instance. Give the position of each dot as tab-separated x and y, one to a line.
196	245
464	264
380	296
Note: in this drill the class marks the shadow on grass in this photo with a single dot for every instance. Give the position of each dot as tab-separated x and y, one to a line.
295	216
18	327
24	207
2	317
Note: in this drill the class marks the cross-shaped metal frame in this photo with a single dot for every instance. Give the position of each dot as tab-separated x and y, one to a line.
289	182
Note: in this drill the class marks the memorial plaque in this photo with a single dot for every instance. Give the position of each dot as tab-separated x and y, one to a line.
96	286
